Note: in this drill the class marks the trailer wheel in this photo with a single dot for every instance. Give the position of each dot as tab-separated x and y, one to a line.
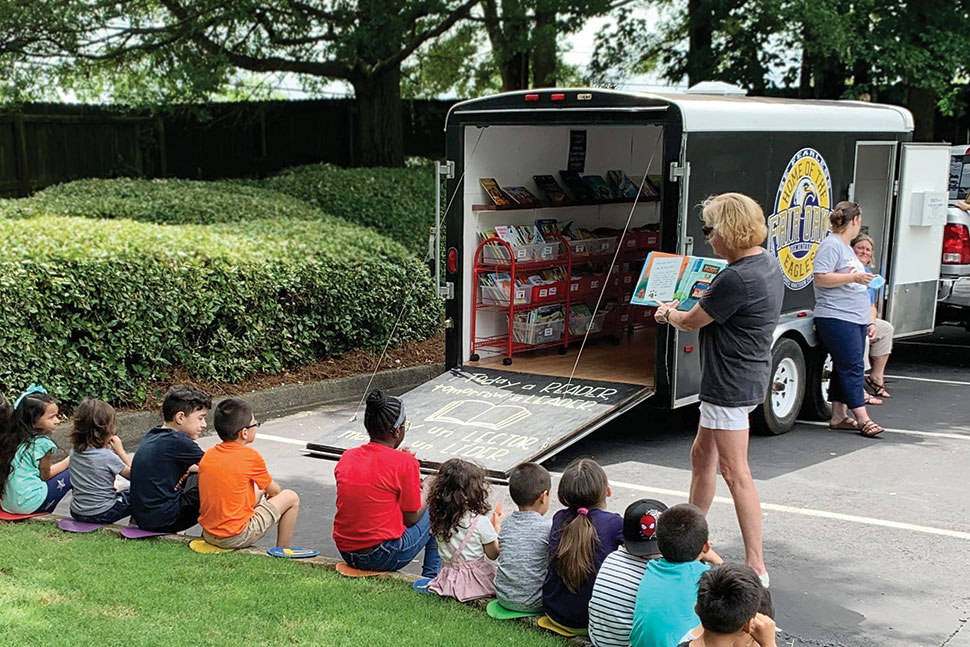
817	406
786	389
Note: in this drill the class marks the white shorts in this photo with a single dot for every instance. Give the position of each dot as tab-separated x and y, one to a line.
714	416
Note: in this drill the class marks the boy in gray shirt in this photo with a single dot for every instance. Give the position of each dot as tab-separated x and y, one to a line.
524	539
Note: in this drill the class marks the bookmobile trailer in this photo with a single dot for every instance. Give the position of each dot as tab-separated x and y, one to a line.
542	344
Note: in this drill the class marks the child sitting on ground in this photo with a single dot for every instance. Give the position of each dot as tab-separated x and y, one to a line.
524	559
29	481
231	515
582	536
734	608
457	504
615	588
164	471
665	598
96	459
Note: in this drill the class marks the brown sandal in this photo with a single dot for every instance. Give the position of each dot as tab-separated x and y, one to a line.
878	390
846	423
870	429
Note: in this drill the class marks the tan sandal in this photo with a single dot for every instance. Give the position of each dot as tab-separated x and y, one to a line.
846	423
871	399
870	429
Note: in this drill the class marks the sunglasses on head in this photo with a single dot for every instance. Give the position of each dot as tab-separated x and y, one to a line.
707	231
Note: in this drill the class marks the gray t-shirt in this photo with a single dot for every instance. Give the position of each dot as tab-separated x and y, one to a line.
846	302
93	473
522	560
745	302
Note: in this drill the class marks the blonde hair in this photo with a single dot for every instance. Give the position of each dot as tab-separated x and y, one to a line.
737	218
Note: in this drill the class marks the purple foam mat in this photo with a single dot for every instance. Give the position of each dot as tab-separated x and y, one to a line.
73	525
134	532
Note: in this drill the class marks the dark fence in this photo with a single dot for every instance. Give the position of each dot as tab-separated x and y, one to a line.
43	144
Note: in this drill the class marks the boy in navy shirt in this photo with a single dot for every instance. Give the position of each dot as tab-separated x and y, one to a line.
164	471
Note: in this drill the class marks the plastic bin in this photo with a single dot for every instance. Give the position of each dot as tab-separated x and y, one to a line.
578	323
493	296
497	253
538	333
592	246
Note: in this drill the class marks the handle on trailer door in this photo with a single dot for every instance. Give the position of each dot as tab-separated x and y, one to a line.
448	171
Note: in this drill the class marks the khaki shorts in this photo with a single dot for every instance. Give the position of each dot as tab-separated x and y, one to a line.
882	343
264	518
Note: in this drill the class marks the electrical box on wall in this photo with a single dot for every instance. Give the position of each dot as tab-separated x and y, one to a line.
929	208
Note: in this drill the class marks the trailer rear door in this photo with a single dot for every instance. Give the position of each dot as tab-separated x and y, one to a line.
917	238
495	418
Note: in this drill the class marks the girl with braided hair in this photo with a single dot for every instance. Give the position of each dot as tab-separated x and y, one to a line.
382	518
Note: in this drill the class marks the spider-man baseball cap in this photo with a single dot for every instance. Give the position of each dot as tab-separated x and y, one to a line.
640	527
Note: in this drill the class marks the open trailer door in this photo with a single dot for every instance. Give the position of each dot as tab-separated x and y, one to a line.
917	237
495	418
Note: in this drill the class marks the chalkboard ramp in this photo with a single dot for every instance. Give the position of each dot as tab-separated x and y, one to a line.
496	418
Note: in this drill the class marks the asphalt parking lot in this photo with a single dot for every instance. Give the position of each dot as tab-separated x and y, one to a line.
867	540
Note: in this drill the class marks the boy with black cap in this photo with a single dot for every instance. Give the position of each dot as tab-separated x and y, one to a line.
615	588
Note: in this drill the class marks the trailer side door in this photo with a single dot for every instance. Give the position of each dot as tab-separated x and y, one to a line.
917	237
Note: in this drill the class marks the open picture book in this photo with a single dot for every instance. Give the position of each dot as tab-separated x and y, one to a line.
666	277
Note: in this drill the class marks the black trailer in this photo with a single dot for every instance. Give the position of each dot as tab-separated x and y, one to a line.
513	389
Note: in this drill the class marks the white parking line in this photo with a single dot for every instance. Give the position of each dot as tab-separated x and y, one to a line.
280	439
807	512
927	379
930	343
774	507
911	432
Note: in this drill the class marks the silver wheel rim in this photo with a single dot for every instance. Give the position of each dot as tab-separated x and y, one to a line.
826	376
785	388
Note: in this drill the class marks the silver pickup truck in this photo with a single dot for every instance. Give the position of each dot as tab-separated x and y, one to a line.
953	305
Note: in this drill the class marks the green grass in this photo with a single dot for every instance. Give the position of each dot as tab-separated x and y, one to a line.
98	589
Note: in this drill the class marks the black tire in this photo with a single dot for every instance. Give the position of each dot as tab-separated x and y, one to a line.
507	361
786	390
474	357
816	406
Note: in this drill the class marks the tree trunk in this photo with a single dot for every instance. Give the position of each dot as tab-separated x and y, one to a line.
922	103
379	133
700	37
544	48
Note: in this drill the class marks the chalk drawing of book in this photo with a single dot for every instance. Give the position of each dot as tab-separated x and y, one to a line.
476	413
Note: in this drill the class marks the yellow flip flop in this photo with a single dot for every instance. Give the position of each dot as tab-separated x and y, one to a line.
349	571
205	548
548	623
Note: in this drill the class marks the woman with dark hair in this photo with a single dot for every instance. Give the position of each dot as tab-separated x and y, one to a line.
842	315
382	518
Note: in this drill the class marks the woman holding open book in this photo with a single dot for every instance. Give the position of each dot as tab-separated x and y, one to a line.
736	317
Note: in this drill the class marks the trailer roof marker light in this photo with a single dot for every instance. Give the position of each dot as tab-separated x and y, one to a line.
558	96
584	96
532	97
688	349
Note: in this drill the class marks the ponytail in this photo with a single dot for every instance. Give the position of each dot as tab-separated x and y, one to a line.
574	556
583	487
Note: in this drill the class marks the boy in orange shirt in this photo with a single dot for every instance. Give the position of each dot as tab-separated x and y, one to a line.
230	475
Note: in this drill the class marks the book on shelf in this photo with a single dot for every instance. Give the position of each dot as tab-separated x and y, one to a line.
623	187
601	190
520	195
494	191
666	277
541	314
548	185
582	191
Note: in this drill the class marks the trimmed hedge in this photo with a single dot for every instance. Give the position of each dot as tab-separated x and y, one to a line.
396	202
164	201
108	307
